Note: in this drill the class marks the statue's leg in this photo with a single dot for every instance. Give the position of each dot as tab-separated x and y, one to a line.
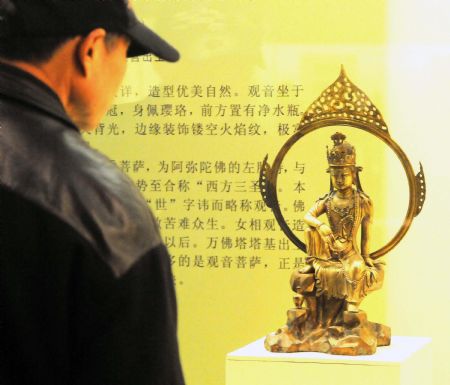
311	305
353	307
333	311
354	269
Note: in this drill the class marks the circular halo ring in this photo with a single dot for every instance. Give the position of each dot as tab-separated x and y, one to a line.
380	134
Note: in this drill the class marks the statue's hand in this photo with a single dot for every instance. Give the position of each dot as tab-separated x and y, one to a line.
326	234
368	261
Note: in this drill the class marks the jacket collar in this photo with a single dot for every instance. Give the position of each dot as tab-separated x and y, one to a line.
24	87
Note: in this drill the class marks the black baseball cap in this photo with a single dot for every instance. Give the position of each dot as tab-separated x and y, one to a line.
54	18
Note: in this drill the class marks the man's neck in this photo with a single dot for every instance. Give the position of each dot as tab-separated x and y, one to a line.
54	73
32	69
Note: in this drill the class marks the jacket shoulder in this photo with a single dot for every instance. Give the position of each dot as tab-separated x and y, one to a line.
115	208
51	165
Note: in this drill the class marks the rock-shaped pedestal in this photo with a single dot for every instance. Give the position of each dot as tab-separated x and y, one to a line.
352	334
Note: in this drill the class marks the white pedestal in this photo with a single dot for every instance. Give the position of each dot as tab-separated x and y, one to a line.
407	361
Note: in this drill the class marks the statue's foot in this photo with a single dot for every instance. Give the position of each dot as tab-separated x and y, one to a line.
352	307
306	270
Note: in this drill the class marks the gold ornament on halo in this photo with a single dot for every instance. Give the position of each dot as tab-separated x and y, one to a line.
343	99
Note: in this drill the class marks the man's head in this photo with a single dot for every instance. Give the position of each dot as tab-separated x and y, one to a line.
78	47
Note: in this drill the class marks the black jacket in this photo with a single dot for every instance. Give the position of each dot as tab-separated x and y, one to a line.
86	290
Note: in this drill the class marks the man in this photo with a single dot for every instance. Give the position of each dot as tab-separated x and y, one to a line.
86	291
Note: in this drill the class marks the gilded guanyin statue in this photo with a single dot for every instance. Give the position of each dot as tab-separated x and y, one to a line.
340	268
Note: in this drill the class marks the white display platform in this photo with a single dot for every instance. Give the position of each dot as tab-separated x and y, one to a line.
407	361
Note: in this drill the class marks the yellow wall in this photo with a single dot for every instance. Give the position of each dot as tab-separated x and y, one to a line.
396	51
419	80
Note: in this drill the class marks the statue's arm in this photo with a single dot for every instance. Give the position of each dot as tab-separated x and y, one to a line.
366	223
311	217
315	236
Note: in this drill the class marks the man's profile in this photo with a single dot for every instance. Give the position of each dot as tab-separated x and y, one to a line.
86	290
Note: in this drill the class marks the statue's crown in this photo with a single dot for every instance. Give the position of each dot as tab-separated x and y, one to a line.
342	153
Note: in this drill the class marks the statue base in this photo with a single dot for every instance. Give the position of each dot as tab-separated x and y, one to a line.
407	361
353	335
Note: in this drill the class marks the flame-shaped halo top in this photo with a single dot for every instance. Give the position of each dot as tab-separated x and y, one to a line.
342	100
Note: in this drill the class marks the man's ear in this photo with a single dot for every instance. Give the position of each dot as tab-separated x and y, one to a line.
89	48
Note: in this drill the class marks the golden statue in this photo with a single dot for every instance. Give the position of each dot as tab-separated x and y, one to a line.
339	271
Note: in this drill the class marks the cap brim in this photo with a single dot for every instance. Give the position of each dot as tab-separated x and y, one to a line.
144	41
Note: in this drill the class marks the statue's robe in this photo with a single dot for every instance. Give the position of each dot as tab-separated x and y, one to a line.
342	274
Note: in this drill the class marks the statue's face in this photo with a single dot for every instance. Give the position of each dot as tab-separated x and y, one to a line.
341	177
